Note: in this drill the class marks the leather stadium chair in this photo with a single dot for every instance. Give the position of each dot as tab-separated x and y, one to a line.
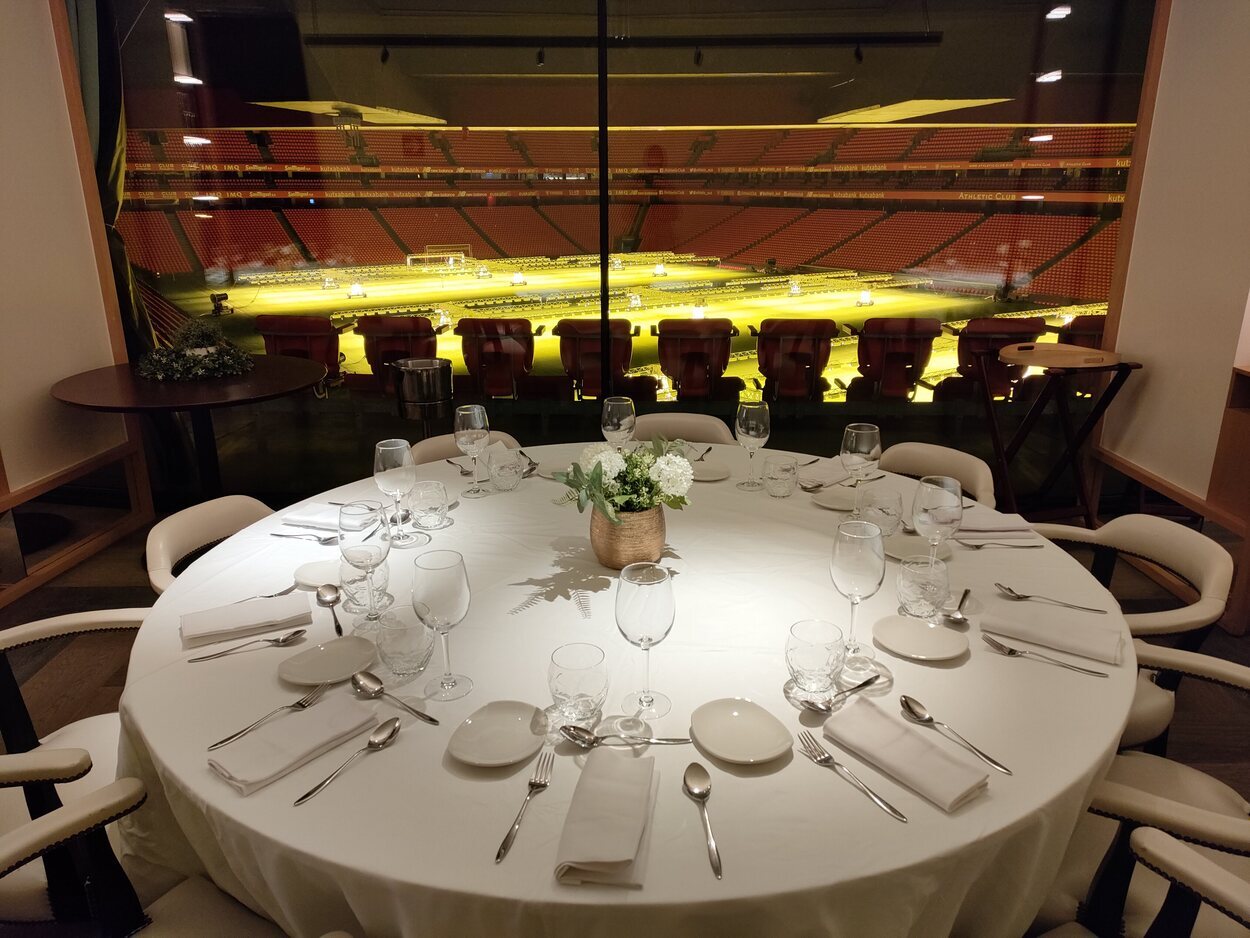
581	354
926	459
498	353
693	428
1083	331
189	532
792	355
694	353
389	338
893	354
312	337
986	337
1188	554
444	447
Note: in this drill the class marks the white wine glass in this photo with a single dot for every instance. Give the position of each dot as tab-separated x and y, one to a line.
395	475
644	614
618	420
751	428
861	451
937	510
472	432
440	598
364	542
857	568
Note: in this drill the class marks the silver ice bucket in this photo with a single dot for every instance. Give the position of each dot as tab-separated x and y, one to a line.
424	387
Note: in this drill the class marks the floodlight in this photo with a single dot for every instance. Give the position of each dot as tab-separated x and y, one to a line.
1059	12
356	291
1046	78
700	310
865	298
659	271
1041	138
795	288
518	279
196	141
178	18
203	198
187	80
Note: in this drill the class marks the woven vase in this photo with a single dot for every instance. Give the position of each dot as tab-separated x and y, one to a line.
639	538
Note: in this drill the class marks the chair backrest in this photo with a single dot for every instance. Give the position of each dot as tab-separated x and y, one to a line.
581	351
893	353
792	354
496	352
1085	331
312	337
926	459
693	428
694	353
173	538
986	336
435	448
389	338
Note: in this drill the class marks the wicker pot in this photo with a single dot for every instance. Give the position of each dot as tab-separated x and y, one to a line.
638	538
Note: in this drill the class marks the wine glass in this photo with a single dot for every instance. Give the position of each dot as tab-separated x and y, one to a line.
751	428
857	569
618	420
861	450
644	614
472	431
937	510
395	474
923	587
364	542
440	598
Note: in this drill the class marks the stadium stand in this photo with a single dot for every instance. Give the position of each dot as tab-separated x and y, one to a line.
240	238
809	236
960	143
344	236
519	231
560	149
1085	274
421	227
874	145
1005	249
484	148
1082	141
800	147
740	231
227	146
310	146
738	147
581	222
669	224
403	148
899	240
651	148
138	150
151	243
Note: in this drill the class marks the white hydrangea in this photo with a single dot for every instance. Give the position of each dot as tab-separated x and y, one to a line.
674	475
604	454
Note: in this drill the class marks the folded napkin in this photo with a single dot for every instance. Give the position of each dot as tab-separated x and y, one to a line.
325	517
607	828
243	619
987	526
826	472
1061	629
905	754
286	742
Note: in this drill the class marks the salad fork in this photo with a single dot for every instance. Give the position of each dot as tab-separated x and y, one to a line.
984	544
1011	594
327	541
247	599
538	782
302	704
820	755
463	471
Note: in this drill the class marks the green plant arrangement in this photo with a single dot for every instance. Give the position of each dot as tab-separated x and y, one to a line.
199	350
633	481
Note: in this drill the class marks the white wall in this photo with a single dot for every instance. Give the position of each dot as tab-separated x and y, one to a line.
1189	271
52	320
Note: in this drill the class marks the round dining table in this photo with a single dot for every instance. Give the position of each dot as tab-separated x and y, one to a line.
404	842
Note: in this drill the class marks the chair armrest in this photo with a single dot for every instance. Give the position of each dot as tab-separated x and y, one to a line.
947	327
103	806
754	331
541	329
759	386
637	331
1196	825
439	330
1193	664
44	765
733	332
1069	533
1201	875
849	329
350	324
840	383
927	384
99	620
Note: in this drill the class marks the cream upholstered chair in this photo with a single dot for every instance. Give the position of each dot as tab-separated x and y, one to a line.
444	447
693	428
926	459
1184	552
194	528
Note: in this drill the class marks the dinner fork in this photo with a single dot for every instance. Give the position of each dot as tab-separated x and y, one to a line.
1011	594
302	704
538	782
985	544
463	471
820	755
327	541
248	599
1022	653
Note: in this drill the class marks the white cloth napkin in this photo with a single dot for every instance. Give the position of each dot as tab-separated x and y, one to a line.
288	741
825	472
606	831
985	526
903	753
325	517
242	619
1061	629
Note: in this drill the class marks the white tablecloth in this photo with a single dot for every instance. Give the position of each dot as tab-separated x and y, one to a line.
404	843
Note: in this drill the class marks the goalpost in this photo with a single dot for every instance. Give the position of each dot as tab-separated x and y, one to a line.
441	257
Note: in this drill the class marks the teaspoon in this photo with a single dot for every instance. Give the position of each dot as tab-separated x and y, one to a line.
826	706
914	711
369	685
588	740
327	598
276	642
958	616
382	736
698	785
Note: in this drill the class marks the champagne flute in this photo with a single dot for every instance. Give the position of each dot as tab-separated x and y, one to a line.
472	431
937	510
618	421
751	428
440	598
861	450
857	568
644	614
395	474
364	542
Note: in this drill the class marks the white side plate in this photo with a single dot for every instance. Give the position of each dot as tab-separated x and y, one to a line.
309	576
330	662
901	546
709	471
501	733
737	730
920	641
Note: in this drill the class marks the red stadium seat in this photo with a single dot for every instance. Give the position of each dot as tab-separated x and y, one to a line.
581	353
987	336
498	353
312	337
388	338
893	354
792	356
694	353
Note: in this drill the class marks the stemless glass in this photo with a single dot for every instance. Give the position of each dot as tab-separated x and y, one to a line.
395	474
355	589
440	598
857	569
937	510
781	475
861	450
618	420
505	470
814	653
472	431
428	501
406	648
364	542
751	429
882	507
644	613
923	587
578	679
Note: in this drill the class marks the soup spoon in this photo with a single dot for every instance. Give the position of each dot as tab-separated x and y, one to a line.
382	736
914	711
587	740
276	642
369	685
826	706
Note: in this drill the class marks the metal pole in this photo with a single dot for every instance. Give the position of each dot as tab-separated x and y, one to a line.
605	232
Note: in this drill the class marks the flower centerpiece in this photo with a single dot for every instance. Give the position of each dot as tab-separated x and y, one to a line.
628	492
198	350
